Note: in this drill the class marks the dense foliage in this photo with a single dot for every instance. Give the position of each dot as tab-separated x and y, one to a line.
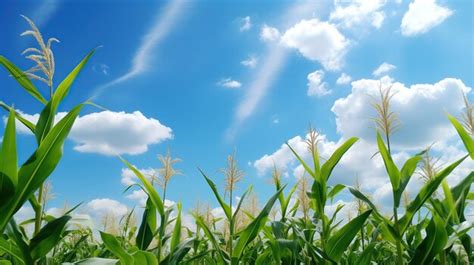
426	230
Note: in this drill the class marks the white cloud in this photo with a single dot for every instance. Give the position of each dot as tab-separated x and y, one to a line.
269	34
422	16
316	86
421	108
383	69
282	158
141	61
129	178
356	13
245	23
250	62
112	133
106	206
229	83
101	68
344	79
318	41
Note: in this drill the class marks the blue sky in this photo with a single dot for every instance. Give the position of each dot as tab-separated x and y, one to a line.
180	64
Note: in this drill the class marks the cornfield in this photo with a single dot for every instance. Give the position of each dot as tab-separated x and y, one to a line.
427	229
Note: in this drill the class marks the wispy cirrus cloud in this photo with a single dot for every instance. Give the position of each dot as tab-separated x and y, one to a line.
43	13
270	67
158	31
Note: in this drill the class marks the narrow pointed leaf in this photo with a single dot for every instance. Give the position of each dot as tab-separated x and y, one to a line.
113	245
390	166
252	230
22	79
147	227
329	165
225	207
176	237
48	237
465	137
148	188
340	240
436	238
8	162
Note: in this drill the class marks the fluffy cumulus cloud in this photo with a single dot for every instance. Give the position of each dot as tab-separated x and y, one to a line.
106	206
343	79
422	16
383	69
112	133
318	41
422	110
351	14
229	83
316	85
129	178
269	34
250	62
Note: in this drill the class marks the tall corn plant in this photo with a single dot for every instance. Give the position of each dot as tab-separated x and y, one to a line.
235	245
333	241
18	185
395	228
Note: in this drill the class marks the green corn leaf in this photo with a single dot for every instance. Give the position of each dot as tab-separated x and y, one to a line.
340	240
462	186
225	207
148	188
10	248
306	167
94	261
425	193
22	79
63	88
329	165
113	245
144	258
251	231
239	205
359	195
46	119
212	238
461	194
16	236
465	137
180	252
176	231
449	201
335	190
48	237
25	122
390	166
366	256
40	165
436	238
8	162
147	227
406	172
